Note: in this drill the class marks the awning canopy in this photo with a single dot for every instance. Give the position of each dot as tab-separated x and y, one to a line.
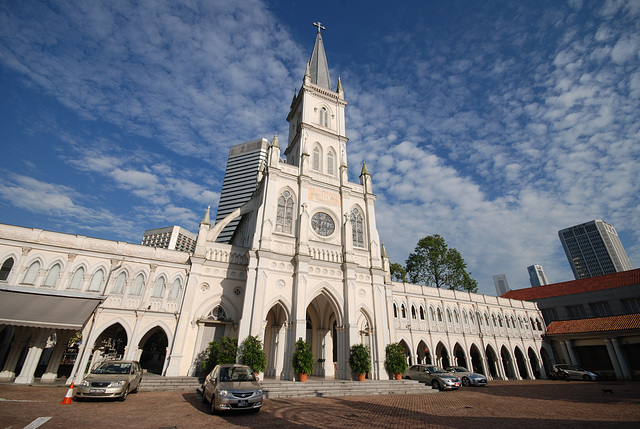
40	310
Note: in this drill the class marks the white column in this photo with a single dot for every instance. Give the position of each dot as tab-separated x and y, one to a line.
614	359
38	343
624	365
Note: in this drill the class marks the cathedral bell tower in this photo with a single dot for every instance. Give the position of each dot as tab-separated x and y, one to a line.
317	139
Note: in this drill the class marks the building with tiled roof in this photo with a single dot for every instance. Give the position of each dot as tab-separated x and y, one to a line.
593	322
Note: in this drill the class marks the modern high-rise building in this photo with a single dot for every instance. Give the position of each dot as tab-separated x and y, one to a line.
240	181
537	276
594	249
170	237
502	286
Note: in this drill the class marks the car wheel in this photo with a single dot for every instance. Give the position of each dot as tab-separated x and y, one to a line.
124	395
407	378
435	384
137	389
204	397
586	377
465	381
566	377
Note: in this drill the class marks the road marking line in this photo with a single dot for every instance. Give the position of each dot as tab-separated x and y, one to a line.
37	422
15	400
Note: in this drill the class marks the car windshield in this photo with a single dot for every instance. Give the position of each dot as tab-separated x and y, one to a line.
113	368
436	369
458	369
236	374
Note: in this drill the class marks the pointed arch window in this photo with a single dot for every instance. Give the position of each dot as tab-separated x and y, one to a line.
138	284
96	281
32	273
395	310
508	323
455	316
317	159
533	325
331	163
432	314
357	228
439	314
448	315
403	311
121	280
421	313
76	279
471	317
464	317
52	276
174	292
6	269
218	314
324	117
284	217
414	315
158	288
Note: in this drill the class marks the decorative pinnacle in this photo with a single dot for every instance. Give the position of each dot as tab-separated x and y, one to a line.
275	142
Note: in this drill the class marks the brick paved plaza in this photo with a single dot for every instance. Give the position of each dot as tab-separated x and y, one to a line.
503	404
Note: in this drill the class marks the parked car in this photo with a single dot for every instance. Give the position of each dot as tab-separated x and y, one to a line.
572	372
111	379
467	377
232	387
437	377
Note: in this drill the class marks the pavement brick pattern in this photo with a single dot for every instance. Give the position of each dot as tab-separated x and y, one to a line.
503	404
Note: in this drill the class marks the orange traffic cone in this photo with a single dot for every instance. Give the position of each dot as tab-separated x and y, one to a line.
68	397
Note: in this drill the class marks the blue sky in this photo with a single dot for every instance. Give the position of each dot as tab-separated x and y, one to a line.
493	124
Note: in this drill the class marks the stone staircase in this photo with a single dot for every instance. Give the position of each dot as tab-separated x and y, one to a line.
326	388
153	382
314	387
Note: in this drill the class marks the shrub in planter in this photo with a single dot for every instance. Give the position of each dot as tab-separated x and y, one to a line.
360	360
220	352
252	354
395	360
302	359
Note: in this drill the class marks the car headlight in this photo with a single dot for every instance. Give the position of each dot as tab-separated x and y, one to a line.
117	383
84	383
224	393
258	392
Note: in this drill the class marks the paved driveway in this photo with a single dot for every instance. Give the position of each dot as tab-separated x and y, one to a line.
503	404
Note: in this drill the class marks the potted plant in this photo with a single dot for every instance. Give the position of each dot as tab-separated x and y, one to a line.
395	361
360	360
302	360
252	354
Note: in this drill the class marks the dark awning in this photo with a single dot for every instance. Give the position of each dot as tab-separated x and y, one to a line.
46	310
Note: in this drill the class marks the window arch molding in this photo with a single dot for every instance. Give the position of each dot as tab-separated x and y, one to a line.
7	266
52	277
285	211
316	157
120	282
33	271
176	288
356	217
138	285
324	115
159	286
97	279
77	277
331	162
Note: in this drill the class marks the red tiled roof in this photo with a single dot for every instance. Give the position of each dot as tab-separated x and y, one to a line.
608	281
598	324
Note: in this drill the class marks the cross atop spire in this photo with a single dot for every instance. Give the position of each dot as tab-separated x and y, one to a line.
319	25
318	68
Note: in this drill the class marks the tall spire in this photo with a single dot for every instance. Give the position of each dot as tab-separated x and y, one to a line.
319	68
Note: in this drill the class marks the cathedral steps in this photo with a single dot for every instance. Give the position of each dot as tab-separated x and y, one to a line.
290	389
326	388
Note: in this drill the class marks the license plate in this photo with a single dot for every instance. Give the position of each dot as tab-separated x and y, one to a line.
97	390
457	384
243	404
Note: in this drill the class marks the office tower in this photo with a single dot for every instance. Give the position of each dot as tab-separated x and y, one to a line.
594	249
240	180
170	237
502	286
537	276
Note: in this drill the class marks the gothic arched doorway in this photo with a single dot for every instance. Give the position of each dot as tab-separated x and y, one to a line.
507	363
423	354
442	356
477	363
321	318
275	341
521	363
154	350
535	363
492	358
461	358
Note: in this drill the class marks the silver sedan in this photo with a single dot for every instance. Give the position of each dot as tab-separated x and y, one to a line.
468	378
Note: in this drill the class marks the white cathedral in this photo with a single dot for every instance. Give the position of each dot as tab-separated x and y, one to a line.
305	261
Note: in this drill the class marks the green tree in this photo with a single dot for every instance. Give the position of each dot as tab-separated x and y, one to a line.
398	273
220	352
433	263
